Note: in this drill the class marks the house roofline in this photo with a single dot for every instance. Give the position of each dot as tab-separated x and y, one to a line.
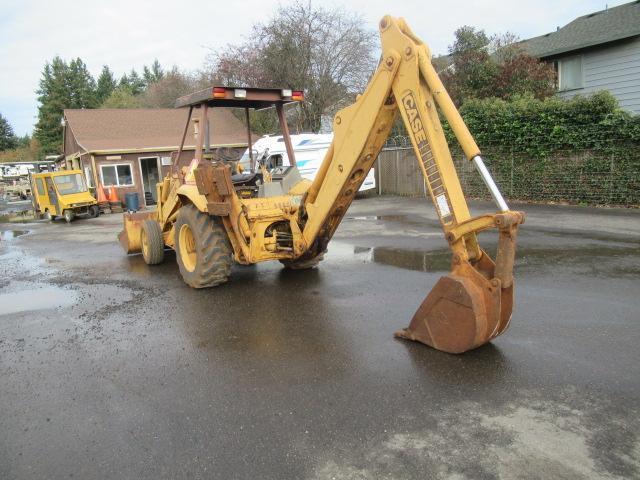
159	149
68	125
561	51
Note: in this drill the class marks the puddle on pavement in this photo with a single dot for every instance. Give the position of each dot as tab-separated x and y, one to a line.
597	260
389	218
405	219
8	235
36	299
135	264
631	240
429	261
419	260
601	260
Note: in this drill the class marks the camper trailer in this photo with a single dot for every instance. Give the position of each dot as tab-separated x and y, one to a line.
309	150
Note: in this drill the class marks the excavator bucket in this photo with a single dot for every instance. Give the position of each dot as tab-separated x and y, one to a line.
472	304
129	237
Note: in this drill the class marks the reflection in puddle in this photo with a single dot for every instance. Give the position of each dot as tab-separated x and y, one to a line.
421	261
432	261
135	264
601	260
401	219
11	234
389	218
36	299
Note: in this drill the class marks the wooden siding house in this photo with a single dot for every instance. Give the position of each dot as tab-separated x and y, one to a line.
131	148
594	52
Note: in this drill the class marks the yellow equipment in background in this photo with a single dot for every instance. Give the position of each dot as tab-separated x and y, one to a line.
62	194
212	218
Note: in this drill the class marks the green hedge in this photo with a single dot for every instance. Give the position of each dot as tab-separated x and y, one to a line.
585	150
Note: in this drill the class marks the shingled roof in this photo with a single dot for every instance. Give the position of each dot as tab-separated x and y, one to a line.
125	129
605	26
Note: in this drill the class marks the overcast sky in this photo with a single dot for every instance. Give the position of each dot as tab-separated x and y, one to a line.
129	34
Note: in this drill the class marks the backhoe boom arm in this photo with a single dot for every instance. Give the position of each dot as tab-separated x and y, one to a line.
472	304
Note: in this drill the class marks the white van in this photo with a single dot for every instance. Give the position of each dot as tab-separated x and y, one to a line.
309	149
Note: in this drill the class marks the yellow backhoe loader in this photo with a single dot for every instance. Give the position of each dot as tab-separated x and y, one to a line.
212	218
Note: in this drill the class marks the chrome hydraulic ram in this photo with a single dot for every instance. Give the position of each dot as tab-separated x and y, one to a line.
491	185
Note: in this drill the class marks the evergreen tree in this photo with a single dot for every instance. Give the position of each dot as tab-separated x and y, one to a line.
153	74
8	139
53	98
81	86
23	142
106	85
136	83
62	86
124	82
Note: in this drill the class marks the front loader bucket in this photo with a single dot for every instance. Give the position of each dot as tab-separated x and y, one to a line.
471	305
129	237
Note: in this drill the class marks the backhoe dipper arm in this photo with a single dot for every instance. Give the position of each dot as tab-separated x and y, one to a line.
473	303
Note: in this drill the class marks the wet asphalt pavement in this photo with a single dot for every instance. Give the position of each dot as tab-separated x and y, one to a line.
113	369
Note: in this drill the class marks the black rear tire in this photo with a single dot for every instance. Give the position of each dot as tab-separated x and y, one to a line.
151	242
202	248
94	211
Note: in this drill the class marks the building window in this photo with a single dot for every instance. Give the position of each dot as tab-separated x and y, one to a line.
570	72
119	175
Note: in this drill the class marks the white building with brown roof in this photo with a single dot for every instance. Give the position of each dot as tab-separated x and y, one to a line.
131	148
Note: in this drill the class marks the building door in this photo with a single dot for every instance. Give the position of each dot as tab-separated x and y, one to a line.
150	174
53	196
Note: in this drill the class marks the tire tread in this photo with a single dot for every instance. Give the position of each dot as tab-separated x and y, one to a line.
155	240
214	255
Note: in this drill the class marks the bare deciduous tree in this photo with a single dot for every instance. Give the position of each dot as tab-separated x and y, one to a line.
173	84
328	53
163	93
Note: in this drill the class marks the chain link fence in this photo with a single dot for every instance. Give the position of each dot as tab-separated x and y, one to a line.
565	176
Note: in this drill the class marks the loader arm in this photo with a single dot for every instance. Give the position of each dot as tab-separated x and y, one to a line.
472	304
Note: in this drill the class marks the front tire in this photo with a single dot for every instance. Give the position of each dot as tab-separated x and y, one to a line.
202	248
151	242
94	211
69	216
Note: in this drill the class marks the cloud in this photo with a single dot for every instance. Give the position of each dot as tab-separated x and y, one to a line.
129	34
